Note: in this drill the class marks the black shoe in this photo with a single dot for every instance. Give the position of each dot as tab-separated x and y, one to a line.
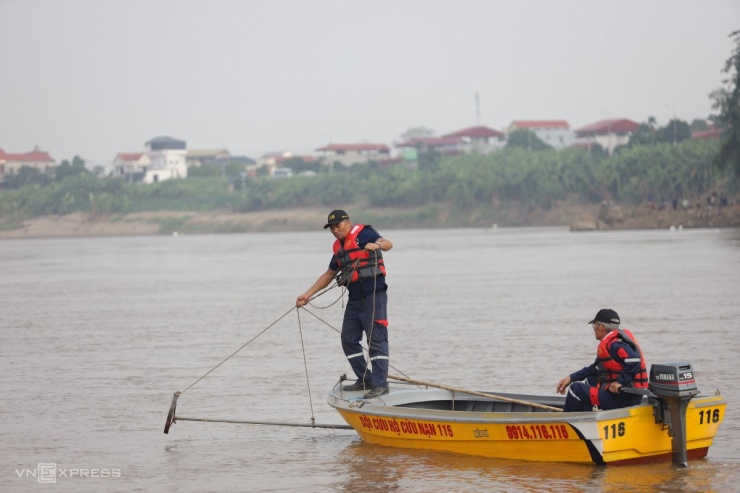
376	392
358	386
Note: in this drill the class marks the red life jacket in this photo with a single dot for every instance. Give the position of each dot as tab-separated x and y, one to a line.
356	263
609	369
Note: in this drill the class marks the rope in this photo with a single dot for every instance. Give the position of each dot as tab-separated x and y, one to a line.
305	365
300	329
345	275
339	332
341	296
372	318
242	347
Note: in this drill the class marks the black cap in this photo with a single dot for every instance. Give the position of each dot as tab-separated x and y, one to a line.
606	316
336	217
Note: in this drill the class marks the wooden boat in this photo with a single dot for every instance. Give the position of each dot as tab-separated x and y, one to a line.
672	423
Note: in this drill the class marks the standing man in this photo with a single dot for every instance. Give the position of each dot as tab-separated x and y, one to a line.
619	363
358	259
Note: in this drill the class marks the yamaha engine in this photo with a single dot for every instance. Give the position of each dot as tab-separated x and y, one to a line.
674	386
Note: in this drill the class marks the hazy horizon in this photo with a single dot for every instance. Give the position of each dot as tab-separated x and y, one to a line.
95	78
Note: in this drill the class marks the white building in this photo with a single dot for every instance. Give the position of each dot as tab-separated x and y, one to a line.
609	134
479	140
131	165
165	159
168	159
555	133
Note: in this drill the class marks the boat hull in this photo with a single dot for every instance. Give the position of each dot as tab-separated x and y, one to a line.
435	419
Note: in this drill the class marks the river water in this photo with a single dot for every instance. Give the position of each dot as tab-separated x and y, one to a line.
97	334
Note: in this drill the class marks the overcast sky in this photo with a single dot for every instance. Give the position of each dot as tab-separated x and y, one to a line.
98	77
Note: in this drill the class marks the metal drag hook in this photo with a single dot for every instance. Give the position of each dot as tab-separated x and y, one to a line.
171	414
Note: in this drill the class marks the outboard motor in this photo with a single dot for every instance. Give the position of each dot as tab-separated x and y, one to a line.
674	386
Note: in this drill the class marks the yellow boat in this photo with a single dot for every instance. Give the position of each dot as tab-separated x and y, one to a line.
673	423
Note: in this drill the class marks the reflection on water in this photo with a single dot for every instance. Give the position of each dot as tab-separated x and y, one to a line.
388	469
98	333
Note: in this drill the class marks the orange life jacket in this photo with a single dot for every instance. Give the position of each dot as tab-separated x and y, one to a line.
356	263
609	369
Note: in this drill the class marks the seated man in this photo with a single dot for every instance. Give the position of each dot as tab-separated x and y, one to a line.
619	363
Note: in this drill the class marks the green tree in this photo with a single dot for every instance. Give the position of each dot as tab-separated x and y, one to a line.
76	168
675	131
298	164
698	125
727	101
645	135
526	139
206	170
429	159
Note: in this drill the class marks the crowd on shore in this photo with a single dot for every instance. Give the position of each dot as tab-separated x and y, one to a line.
712	202
712	211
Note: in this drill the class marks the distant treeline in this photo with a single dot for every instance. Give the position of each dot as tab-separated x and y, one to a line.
511	176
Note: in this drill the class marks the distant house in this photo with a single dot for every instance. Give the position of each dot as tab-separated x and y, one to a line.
131	165
168	159
609	134
269	161
349	154
164	160
199	157
555	133
480	140
11	163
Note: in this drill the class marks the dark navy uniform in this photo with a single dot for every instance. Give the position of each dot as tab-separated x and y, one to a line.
580	393
363	317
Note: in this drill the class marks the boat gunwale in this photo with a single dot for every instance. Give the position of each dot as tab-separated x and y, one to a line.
358	405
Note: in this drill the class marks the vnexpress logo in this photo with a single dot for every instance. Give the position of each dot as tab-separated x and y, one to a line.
48	472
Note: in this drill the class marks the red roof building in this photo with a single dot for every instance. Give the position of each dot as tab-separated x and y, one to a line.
131	165
29	157
609	134
478	132
479	140
130	156
11	163
618	126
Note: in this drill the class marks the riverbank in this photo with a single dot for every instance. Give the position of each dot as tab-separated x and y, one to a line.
577	217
